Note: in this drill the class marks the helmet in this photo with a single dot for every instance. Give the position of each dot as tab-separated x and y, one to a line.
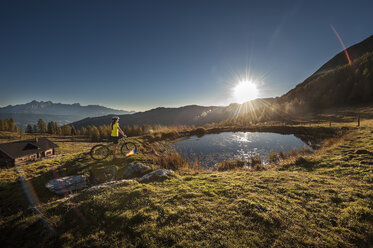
115	118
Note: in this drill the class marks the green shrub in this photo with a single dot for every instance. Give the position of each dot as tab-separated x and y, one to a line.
169	135
199	131
300	161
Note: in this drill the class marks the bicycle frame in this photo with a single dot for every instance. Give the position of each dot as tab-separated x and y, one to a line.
127	149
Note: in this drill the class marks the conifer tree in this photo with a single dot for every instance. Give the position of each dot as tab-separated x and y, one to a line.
5	125
94	134
51	128
10	125
21	131
29	128
83	131
73	130
66	130
42	127
55	127
35	129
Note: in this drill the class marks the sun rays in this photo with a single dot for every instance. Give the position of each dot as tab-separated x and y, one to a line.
244	91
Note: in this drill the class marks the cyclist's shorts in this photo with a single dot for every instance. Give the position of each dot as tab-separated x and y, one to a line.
114	139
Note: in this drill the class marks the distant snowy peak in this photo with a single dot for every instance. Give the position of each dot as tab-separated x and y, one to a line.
50	108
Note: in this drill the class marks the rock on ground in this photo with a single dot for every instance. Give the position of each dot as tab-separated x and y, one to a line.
103	175
66	184
136	170
157	176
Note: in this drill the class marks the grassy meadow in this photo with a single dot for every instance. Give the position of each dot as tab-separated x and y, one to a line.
324	199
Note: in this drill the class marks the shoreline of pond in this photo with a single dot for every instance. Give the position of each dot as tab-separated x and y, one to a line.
310	135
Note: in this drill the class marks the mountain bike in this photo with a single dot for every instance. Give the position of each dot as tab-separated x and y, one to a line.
100	152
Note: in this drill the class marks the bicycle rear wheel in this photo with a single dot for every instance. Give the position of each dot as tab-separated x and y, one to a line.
99	152
128	149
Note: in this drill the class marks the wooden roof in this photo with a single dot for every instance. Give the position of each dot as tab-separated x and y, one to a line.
26	147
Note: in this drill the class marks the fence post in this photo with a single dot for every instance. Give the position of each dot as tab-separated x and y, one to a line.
358	120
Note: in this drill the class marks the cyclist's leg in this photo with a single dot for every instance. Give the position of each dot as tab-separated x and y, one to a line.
115	141
114	150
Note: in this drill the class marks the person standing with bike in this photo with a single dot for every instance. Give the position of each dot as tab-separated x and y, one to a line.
102	151
115	130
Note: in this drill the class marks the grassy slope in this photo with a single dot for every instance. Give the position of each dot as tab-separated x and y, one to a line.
323	200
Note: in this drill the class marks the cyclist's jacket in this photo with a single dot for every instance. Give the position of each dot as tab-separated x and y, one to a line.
114	130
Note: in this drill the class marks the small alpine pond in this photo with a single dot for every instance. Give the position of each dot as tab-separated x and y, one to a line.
213	148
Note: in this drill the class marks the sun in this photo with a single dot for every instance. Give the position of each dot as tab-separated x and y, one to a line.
245	91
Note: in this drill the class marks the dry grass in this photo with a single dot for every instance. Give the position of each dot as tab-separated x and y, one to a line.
177	163
318	200
322	199
275	158
305	150
173	162
233	164
253	163
292	153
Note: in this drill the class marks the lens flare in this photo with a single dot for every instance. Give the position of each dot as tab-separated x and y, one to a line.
244	91
342	44
35	204
130	153
33	200
70	199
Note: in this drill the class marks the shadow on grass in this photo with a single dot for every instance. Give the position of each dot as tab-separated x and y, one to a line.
298	162
20	198
307	164
17	196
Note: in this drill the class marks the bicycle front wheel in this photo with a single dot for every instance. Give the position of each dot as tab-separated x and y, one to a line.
128	149
99	152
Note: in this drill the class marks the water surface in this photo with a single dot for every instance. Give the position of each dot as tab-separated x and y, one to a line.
213	148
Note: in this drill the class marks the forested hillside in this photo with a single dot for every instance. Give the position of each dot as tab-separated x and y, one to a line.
346	85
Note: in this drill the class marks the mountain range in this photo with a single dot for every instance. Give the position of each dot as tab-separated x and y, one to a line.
335	84
31	112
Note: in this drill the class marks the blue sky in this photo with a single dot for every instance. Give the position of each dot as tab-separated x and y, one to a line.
138	55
